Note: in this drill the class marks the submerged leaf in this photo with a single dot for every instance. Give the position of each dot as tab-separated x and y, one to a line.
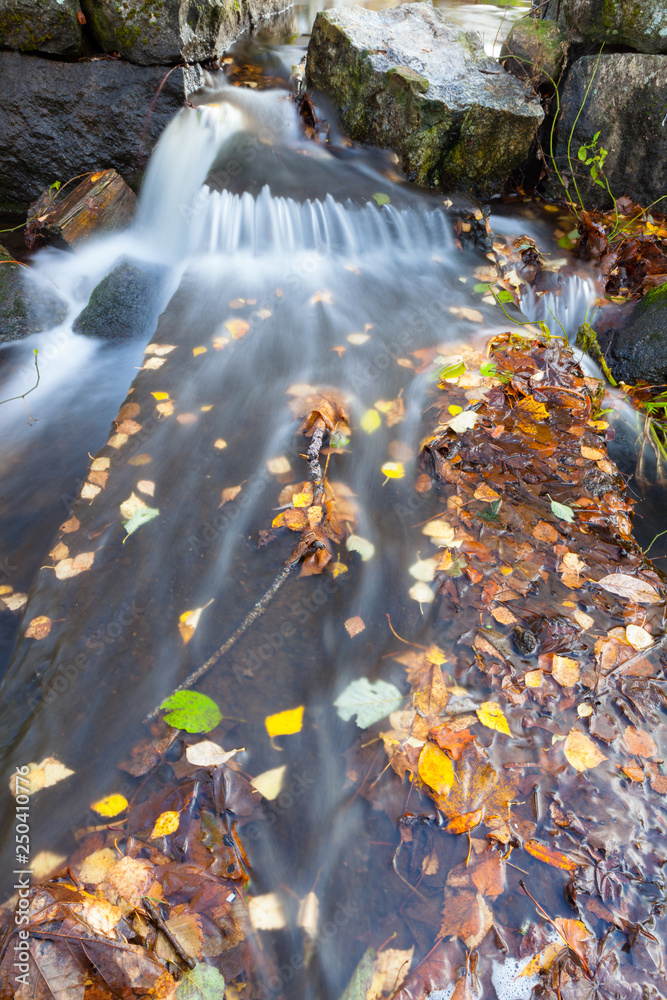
140	517
581	752
112	805
204	982
166	824
368	701
491	715
435	769
563	512
630	587
191	711
285	723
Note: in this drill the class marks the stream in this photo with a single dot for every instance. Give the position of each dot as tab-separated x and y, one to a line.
283	266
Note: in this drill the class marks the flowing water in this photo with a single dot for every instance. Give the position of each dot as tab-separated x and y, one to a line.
286	266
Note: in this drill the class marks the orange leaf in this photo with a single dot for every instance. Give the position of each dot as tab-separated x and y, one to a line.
550	856
38	628
637	741
581	752
467	916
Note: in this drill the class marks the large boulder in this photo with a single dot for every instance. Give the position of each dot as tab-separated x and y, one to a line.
411	80
59	120
171	31
638	352
124	305
639	25
51	27
535	50
624	105
26	306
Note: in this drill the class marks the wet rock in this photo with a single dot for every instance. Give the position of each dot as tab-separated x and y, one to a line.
639	351
641	26
26	306
626	106
62	119
411	80
102	201
170	31
53	29
535	50
124	305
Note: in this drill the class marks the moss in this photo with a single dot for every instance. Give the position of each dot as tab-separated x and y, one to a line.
656	296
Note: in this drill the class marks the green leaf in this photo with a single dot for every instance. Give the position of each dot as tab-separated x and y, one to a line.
504	296
191	711
204	982
140	517
481	289
339	440
563	512
488	369
381	198
362	978
453	371
369	701
582	153
491	512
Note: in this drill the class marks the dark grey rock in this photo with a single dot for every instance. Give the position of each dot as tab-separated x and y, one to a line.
626	105
124	305
411	80
171	31
60	119
639	24
48	26
535	50
26	306
639	351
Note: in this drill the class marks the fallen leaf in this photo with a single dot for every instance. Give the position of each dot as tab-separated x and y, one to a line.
529	406
464	421
266	912
368	701
565	670
237	327
550	856
562	511
228	494
208	754
269	783
575	934
49	772
639	742
490	714
421	592
370	421
38	628
435	769
67	568
638	637
204	982
96	865
323	296
199	350
484	492
110	806
139	518
354	626
504	616
285	723
188	621
592	453
467	916
219	443
366	549
533	678
146	486
166	824
309	914
545	532
191	711
583	620
630	587
581	752
278	466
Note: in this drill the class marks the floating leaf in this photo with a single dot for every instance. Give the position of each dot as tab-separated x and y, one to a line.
266	912
492	715
393	470
278	466
452	372
140	517
285	723
269	784
67	568
199	350
368	701
188	621
38	628
43	775
563	512
165	824
191	711
381	198
112	805
160	395
550	856
356	543
370	421
421	592
354	626
463	421
637	636
581	752
219	443
435	769
630	587
237	327
204	982
424	570
208	754
565	670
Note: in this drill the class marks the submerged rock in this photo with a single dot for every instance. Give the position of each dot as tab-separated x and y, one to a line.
124	305
26	306
62	119
170	31
411	80
625	105
639	351
52	29
535	50
641	26
101	202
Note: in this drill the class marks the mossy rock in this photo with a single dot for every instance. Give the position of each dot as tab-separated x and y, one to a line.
639	24
124	305
50	27
535	50
25	305
639	351
411	80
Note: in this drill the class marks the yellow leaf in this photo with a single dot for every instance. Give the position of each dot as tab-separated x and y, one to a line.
453	409
533	678
199	350
484	492
565	670
529	406
491	715
581	752
237	327
302	499
278	466
220	444
337	568
166	823
188	621
160	395
435	655
593	453
112	805
370	421
285	723
435	769
393	470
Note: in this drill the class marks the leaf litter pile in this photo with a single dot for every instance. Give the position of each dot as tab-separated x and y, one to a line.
520	763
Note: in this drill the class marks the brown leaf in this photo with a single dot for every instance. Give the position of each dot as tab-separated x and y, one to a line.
631	587
451	740
230	493
565	670
639	742
467	916
575	934
127	881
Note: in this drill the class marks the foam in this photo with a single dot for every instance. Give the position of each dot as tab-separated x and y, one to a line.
505	982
